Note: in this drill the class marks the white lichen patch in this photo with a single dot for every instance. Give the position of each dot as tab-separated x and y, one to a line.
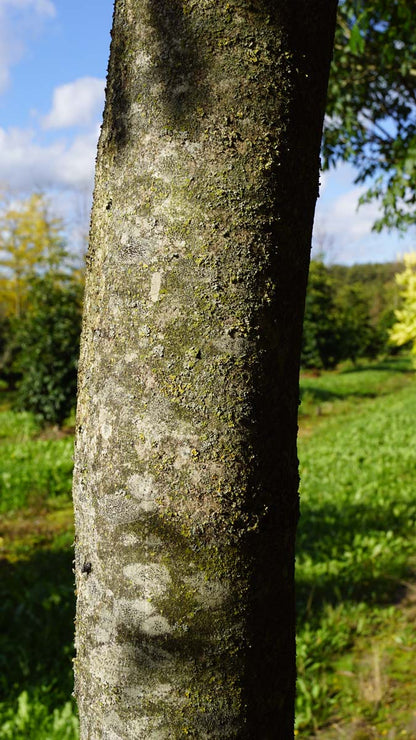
155	285
123	665
162	690
141	729
106	431
114	664
109	734
211	594
153	543
183	456
156	625
102	636
104	424
154	431
104	629
134	611
158	350
119	508
151	580
165	160
130	539
134	693
148	436
131	357
142	487
195	148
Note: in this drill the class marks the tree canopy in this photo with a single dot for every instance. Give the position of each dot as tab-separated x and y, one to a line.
404	330
348	312
371	111
47	341
40	308
31	243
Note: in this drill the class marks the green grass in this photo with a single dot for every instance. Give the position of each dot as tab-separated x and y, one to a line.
356	538
17	427
340	391
36	582
34	469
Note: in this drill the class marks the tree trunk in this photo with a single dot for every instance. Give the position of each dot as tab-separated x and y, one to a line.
186	476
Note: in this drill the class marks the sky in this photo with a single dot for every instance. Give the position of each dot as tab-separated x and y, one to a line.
53	63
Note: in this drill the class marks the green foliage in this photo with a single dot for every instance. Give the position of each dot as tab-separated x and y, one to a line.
31	243
6	352
404	330
320	346
357	335
33	470
348	313
47	337
345	390
356	533
32	719
371	103
17	427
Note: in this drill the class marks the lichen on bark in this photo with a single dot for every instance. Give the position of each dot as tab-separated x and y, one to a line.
185	484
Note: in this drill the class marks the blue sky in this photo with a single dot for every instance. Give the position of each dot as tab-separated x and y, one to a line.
53	62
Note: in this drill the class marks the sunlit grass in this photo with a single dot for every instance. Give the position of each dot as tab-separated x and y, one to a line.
356	538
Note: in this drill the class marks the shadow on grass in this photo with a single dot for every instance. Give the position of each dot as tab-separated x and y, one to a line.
400	366
348	545
320	395
36	626
365	387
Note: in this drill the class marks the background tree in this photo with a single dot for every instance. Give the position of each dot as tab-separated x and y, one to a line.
371	112
186	480
357	336
36	353
321	343
47	347
31	243
349	312
404	330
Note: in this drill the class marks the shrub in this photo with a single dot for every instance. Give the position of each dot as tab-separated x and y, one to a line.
47	340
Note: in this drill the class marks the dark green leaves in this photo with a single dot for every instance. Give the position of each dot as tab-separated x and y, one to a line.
47	338
371	111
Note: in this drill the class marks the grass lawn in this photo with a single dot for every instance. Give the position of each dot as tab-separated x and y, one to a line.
355	563
356	553
36	582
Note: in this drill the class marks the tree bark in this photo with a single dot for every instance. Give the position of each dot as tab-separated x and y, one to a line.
186	482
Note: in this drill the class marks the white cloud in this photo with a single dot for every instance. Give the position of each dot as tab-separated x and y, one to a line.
19	19
77	103
347	220
339	221
43	7
26	165
344	231
31	159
